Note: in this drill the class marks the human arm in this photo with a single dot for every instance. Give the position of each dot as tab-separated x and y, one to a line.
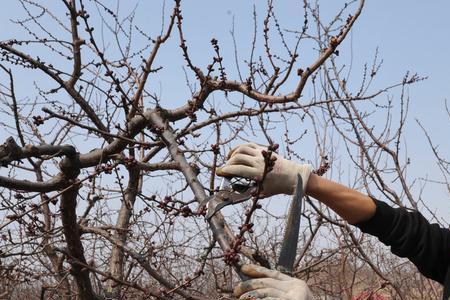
247	161
408	233
351	205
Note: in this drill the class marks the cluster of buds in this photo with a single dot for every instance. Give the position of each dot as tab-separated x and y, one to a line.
218	59
210	68
333	42
231	257
248	212
248	84
214	42
38	120
187	282
199	273
324	166
263	70
239	240
83	13
273	147
247	227
167	204
268	158
186	211
143	211
202	210
21	207
215	148
162	291
30	230
106	168
130	161
18	196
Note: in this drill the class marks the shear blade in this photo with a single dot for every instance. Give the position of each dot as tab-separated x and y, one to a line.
288	251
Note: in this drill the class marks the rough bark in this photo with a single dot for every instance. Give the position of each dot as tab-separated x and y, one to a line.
116	263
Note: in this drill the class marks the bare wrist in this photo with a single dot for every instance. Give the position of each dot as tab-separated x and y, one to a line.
311	186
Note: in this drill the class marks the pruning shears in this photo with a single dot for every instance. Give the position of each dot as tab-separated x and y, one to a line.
237	190
231	191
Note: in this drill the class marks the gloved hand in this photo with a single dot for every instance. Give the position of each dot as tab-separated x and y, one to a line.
271	284
247	161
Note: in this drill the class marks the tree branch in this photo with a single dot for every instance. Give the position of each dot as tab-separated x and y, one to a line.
217	223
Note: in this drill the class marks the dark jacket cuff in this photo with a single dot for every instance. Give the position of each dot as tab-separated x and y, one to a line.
384	215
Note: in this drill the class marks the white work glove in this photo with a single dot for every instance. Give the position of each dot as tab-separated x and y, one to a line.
247	161
270	284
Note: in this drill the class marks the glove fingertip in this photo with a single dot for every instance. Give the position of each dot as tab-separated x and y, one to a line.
221	172
232	151
253	271
237	290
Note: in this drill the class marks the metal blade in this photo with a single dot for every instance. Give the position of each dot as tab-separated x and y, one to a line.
224	198
288	251
225	183
216	203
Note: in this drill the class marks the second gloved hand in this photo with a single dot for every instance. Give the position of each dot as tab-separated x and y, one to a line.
270	284
247	161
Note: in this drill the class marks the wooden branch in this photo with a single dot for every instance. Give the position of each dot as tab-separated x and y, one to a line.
111	277
76	44
217	223
69	89
171	165
75	247
134	126
243	88
56	183
116	262
143	262
89	128
149	62
10	151
70	168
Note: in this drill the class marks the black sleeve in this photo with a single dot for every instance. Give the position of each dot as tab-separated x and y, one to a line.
410	235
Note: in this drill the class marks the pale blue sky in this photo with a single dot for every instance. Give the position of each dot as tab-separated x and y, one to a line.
411	36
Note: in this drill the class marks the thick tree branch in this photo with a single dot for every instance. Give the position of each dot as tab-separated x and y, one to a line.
74	245
217	222
71	230
56	183
10	151
116	262
76	44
